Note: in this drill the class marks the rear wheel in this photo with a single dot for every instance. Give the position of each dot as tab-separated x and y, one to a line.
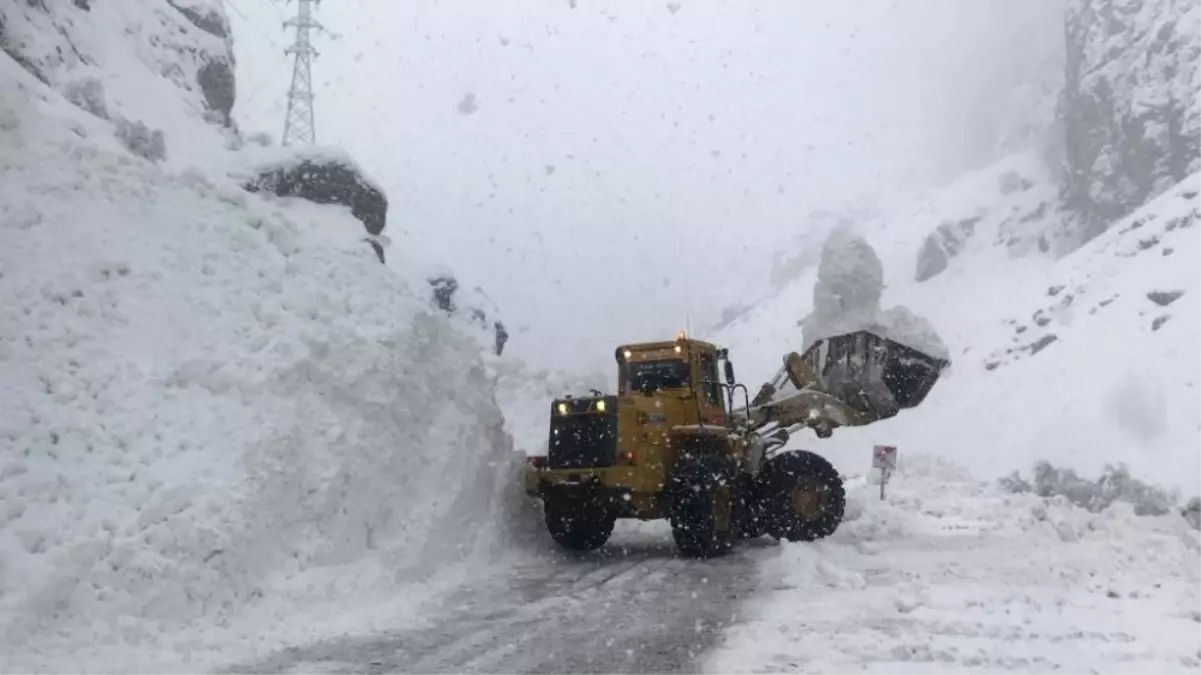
578	526
702	508
802	496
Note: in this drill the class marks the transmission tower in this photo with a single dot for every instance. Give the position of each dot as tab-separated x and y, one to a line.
298	125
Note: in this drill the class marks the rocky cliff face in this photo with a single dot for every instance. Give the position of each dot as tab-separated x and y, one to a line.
1130	110
186	43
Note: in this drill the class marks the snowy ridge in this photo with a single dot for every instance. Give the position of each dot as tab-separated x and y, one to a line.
217	412
949	574
1124	271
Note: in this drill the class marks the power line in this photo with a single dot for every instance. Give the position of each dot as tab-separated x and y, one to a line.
298	123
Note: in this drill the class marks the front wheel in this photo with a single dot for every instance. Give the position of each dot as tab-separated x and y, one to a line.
578	526
702	508
802	496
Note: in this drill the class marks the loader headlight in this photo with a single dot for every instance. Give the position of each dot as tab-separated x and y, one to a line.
562	408
600	406
627	353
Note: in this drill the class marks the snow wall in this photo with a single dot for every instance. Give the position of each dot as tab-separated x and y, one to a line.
222	421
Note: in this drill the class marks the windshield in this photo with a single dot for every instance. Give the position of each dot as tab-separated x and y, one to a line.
652	375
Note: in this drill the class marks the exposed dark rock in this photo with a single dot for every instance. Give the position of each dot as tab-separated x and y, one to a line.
1055	290
945	242
1164	298
444	289
1042	343
141	140
1130	129
444	292
932	260
216	80
210	22
379	250
327	182
1159	321
88	94
15	53
502	337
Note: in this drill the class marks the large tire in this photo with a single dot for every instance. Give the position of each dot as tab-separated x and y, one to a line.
752	522
578	526
702	508
801	496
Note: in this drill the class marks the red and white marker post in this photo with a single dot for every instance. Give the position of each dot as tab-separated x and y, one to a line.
884	458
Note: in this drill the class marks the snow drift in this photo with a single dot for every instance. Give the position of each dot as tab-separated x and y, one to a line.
949	574
219	411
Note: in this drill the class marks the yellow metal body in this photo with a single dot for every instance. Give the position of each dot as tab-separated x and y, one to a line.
654	428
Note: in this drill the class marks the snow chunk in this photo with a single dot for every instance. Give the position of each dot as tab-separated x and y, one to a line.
846	299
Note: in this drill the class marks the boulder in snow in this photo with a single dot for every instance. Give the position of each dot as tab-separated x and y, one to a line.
216	80
323	176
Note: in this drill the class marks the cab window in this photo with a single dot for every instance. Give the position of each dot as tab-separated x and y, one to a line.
654	375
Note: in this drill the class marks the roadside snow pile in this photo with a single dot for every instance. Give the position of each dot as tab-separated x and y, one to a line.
525	395
1115	484
470	308
949	574
222	422
846	299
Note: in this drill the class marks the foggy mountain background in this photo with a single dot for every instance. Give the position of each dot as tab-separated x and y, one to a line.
608	171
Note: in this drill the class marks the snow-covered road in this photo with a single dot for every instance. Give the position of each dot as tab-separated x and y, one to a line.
946	574
632	607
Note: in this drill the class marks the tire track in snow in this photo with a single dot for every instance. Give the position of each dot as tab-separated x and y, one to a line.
632	607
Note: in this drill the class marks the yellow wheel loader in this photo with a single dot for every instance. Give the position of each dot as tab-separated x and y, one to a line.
671	442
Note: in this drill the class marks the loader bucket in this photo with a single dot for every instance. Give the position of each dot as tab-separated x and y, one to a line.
872	374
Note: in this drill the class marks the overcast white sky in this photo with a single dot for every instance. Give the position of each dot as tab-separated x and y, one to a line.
629	165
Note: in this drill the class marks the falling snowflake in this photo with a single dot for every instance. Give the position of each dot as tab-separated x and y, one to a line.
468	105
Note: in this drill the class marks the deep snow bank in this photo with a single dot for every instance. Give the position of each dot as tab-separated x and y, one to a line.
949	574
221	420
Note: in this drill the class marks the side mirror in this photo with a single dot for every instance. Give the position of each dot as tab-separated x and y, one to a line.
729	373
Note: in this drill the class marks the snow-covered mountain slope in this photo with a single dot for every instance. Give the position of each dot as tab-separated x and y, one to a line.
949	574
223	424
161	66
1129	109
1066	359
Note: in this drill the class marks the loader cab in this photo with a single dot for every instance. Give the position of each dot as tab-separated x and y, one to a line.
681	368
